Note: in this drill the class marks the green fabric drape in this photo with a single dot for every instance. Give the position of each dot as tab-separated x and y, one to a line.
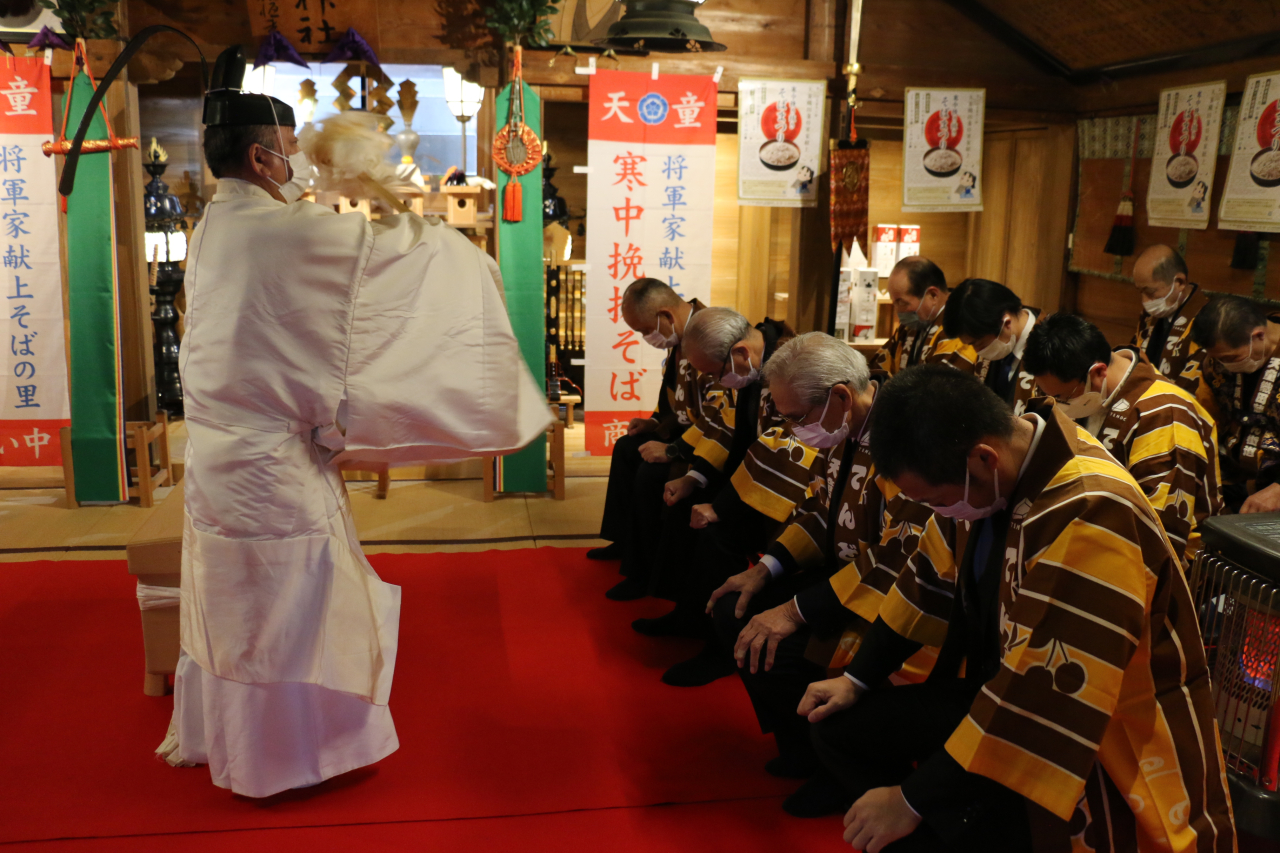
97	419
520	251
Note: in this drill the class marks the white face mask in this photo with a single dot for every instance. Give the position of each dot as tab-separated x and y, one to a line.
816	436
738	381
1085	405
1246	365
660	341
1165	305
962	511
299	181
999	348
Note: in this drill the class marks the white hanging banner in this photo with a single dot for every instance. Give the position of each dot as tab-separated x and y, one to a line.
1251	198
942	150
651	149
33	403
1185	155
781	138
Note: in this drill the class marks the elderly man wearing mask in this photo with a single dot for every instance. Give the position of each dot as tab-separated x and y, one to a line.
750	473
919	293
1170	303
642	459
1239	389
826	577
992	319
312	338
1151	426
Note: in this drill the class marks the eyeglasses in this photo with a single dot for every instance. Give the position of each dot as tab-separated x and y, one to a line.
799	421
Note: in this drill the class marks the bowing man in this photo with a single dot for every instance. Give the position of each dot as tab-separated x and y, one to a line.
1170	303
1240	368
919	292
643	458
312	338
825	578
992	319
1082	714
1150	425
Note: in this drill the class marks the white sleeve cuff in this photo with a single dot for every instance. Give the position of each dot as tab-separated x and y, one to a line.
771	563
795	602
859	684
908	802
702	481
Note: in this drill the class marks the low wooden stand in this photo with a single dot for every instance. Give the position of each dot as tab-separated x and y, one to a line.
140	435
155	558
383	472
555	466
568	401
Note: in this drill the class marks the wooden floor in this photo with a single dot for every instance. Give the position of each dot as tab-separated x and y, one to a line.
419	515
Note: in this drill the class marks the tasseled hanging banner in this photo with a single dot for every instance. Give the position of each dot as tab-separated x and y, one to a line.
513	201
1123	239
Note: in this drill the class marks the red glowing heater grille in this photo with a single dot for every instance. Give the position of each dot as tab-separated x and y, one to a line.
1236	584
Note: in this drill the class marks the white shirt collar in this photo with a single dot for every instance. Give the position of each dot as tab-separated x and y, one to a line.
1021	343
1094	424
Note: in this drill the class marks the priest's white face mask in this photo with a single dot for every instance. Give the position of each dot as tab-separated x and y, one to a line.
297	167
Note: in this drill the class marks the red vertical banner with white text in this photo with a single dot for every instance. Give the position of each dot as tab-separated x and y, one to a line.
651	152
33	397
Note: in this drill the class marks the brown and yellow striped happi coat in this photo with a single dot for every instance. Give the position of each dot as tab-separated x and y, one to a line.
876	530
1100	711
936	348
1248	425
1181	357
1169	443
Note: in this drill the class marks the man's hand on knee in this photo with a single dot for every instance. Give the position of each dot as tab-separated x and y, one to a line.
654	451
765	631
824	698
678	490
702	515
746	584
639	426
880	817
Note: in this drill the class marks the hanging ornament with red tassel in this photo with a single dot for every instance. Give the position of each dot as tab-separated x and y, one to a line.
516	149
1123	239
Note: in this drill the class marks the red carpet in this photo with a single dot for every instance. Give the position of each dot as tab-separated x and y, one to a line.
528	711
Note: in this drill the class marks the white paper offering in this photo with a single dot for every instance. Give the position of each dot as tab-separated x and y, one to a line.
1251	199
885	249
942	150
1185	155
780	141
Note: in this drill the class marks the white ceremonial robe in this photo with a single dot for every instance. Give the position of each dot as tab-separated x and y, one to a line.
312	338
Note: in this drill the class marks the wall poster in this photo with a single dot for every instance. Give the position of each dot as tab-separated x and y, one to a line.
33	399
1185	155
1251	199
942	150
781	141
651	154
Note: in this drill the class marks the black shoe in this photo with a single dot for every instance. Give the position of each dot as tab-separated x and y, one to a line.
673	624
612	551
703	668
628	589
819	797
790	767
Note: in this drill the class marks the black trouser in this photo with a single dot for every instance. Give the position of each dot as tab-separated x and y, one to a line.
716	555
671	552
619	494
776	693
875	743
644	530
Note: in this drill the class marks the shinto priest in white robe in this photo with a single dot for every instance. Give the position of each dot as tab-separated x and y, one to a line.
314	338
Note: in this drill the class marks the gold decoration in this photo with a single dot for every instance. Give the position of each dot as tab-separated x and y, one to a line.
345	92
158	154
378	101
408	101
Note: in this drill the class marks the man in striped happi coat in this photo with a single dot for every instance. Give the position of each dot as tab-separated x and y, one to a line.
1082	718
919	292
749	473
991	318
1170	304
1157	430
823	579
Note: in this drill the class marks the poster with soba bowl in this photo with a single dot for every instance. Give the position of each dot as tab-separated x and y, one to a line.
1185	155
942	150
1251	198
781	137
